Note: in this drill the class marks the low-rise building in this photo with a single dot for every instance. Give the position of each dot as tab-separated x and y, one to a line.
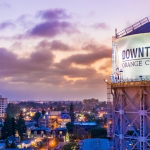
18	149
96	144
2	146
40	132
85	125
13	139
64	118
26	143
55	119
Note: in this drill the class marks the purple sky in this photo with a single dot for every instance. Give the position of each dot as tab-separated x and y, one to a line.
60	49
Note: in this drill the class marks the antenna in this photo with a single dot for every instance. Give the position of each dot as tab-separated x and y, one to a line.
116	33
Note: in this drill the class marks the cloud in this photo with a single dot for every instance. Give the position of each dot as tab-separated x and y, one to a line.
40	74
106	66
5	5
74	72
6	24
12	66
40	68
94	82
16	45
94	47
86	59
53	28
23	17
25	21
55	45
101	25
58	45
53	14
53	25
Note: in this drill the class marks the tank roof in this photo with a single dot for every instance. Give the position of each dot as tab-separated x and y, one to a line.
143	29
142	26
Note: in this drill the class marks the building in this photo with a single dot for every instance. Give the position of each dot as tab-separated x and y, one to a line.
43	121
92	101
85	125
64	118
55	119
130	87
40	132
2	146
3	106
26	143
18	149
96	144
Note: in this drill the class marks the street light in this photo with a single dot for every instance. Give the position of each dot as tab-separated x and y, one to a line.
52	143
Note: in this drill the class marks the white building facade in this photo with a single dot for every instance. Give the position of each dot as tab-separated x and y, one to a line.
3	106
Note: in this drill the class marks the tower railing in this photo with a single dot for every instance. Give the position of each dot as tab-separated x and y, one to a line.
132	27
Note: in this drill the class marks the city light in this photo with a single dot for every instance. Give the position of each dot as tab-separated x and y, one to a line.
52	143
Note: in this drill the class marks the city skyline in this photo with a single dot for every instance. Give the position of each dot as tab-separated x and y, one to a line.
60	50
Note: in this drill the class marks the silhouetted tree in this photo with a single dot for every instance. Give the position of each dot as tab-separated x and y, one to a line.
7	128
13	110
21	126
98	132
37	116
56	139
43	112
93	110
71	112
70	127
7	143
51	108
13	126
13	145
99	121
71	146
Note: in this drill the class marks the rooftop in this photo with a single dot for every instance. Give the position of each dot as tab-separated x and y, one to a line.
18	149
61	129
42	128
84	123
96	144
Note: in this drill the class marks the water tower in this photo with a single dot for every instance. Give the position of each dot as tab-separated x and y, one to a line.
130	87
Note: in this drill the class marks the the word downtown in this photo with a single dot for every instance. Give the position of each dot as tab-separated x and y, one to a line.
134	57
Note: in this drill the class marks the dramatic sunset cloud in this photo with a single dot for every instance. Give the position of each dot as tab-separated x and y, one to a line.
60	50
54	45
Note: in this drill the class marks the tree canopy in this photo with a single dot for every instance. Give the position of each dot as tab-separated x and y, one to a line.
71	112
12	110
21	126
7	128
37	116
70	146
70	127
43	112
98	132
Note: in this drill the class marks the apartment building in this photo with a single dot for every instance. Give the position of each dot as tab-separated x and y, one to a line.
55	119
3	106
